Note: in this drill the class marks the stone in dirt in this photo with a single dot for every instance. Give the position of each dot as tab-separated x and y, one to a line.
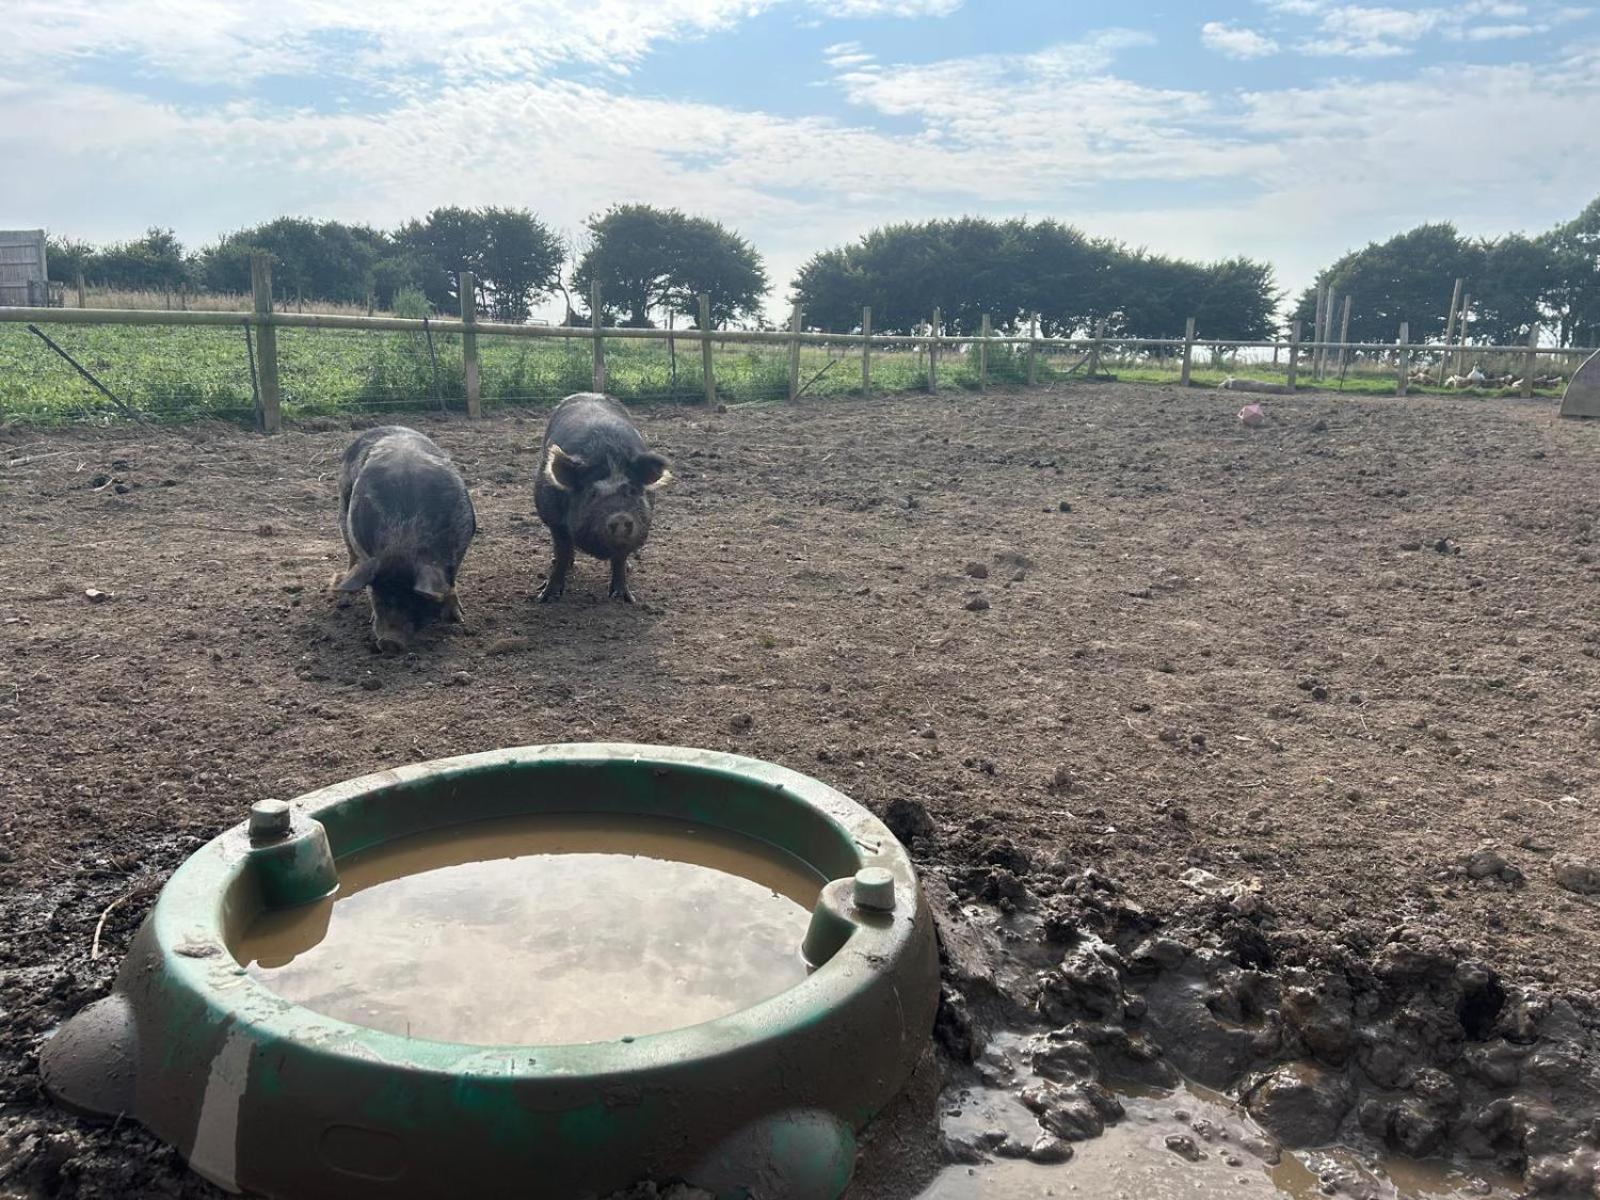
978	604
1184	1146
977	570
1049	1149
1577	875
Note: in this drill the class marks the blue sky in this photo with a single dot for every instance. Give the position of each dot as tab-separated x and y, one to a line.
1288	130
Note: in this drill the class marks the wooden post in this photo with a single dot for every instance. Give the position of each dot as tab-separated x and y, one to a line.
1294	353
1466	314
866	351
1094	347
1402	358
705	351
83	297
1344	337
599	342
1188	352
933	354
1033	350
1450	329
1316	324
271	413
983	354
1327	334
1530	363
468	287
794	354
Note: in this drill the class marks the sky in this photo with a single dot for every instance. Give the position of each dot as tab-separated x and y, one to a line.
1285	130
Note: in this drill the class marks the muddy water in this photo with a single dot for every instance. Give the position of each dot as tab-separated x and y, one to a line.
544	931
1190	1143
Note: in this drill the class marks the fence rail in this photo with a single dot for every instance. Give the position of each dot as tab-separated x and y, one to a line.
1310	357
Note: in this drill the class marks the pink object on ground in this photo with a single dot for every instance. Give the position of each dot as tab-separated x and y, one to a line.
1251	416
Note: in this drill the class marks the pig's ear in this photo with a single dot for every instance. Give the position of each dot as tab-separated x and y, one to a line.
650	471
358	577
562	469
430	582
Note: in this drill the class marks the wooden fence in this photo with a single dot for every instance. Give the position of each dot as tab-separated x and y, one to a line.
264	322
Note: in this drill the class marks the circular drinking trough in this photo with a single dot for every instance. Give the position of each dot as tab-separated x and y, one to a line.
200	1042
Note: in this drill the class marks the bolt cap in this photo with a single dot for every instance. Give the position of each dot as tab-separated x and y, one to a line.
269	819
874	889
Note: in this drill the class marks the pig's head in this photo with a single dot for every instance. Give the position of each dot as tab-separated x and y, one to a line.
405	597
610	501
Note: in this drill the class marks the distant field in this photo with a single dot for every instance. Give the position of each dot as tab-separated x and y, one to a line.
186	374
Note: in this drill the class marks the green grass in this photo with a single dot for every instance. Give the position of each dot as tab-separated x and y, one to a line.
187	374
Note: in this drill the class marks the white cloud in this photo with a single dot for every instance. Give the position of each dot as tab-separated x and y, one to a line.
887	8
1490	33
1236	41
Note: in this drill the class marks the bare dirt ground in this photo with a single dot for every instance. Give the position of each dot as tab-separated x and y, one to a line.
1106	625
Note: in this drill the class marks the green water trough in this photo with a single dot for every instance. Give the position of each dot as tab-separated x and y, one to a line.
265	1097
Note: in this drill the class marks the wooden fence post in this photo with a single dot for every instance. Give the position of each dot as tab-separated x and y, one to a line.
83	299
1466	313
866	351
1450	329
1327	335
1188	352
1402	358
708	376
1294	353
1531	362
270	415
983	354
1317	324
599	342
794	354
1094	347
1344	337
933	354
467	285
1033	350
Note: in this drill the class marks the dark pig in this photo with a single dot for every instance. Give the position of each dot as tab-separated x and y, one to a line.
596	488
407	521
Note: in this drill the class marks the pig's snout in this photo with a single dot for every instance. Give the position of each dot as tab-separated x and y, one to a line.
620	528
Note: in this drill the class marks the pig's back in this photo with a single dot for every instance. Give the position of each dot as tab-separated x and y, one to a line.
593	426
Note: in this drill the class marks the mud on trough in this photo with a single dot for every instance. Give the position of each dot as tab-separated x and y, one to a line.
1265	758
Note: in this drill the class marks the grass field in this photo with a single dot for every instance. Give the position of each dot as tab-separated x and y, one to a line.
187	373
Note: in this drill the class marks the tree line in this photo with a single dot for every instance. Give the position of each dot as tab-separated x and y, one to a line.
651	262
1514	283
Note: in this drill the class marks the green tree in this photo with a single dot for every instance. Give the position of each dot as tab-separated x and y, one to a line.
514	255
150	263
64	258
1516	281
1408	278
971	266
1574	295
646	259
324	260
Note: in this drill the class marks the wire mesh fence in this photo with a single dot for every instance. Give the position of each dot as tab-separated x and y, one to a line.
69	370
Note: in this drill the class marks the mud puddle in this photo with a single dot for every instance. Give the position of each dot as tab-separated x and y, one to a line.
544	931
1186	1142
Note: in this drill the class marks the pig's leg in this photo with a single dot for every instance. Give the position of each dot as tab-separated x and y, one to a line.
619	580
557	582
452	609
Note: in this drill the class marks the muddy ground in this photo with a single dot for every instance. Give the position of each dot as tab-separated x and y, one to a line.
1102	636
